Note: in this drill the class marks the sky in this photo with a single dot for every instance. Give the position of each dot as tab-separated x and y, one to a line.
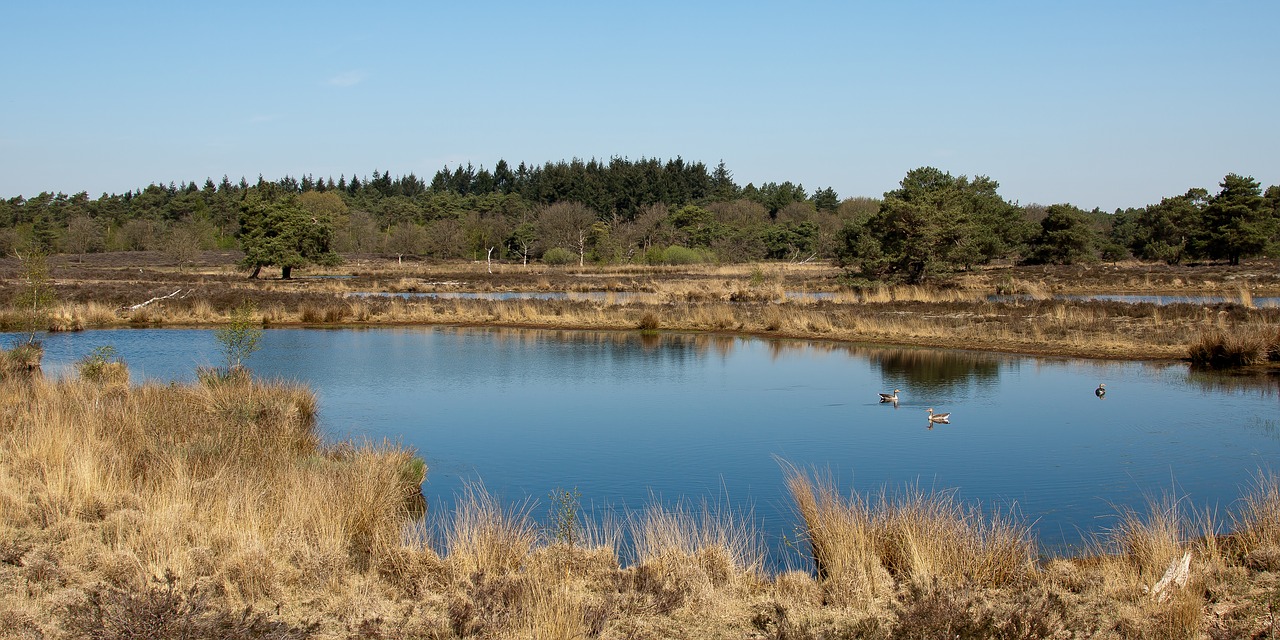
1100	104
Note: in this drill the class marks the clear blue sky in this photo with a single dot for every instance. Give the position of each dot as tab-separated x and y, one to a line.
1100	104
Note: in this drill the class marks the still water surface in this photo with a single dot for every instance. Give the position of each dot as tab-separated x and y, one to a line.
628	419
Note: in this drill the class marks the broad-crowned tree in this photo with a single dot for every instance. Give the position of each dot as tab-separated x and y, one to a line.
280	232
1172	231
934	222
1236	222
1065	237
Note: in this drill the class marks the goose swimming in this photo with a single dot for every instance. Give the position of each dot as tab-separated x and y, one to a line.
941	418
1101	391
884	397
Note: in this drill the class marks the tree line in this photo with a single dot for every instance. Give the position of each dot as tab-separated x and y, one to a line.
642	211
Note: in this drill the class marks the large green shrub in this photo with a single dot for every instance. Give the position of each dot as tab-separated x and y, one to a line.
674	254
559	256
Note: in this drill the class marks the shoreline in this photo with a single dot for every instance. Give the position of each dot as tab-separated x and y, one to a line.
748	300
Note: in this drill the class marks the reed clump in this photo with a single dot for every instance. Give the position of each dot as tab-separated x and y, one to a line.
20	361
1238	347
1257	524
860	546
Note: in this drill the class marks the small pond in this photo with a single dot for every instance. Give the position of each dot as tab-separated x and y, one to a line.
628	419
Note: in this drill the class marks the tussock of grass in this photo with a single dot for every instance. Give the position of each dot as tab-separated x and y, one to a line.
933	536
724	544
844	538
860	545
1257	524
884	294
1154	538
484	536
20	361
1238	347
1031	289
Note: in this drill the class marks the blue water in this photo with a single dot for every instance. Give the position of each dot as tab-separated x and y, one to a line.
1259	302
628	419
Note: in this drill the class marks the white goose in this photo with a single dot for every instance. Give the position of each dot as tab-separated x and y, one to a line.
884	397
940	418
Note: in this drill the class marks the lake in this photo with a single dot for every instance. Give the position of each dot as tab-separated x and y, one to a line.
628	419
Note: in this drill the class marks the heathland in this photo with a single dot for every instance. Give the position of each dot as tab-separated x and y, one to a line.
1043	309
214	509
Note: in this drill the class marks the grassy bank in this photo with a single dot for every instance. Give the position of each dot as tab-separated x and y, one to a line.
213	510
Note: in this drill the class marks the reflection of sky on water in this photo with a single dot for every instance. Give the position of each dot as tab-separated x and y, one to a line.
623	415
1260	301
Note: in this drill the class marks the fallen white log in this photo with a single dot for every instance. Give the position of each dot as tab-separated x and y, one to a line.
143	304
1177	574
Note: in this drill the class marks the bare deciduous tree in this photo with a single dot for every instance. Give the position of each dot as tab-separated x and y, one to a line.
567	225
406	239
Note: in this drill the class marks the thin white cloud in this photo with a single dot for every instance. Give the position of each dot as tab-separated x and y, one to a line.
347	79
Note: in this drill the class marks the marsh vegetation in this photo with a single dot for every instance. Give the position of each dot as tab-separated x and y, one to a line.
213	508
1029	316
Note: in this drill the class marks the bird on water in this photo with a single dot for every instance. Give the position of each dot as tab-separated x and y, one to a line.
940	418
885	397
1101	391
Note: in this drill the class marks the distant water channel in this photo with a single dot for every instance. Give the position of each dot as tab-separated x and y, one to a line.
628	419
627	296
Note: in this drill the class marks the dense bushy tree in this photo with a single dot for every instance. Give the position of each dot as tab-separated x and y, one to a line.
1065	237
280	232
1237	224
697	226
1171	231
932	223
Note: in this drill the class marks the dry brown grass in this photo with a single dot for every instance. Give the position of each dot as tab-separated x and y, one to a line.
860	546
748	299
484	536
1218	348
843	537
1257	524
225	484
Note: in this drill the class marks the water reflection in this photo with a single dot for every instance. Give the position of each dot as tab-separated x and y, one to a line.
1261	301
1263	383
936	370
